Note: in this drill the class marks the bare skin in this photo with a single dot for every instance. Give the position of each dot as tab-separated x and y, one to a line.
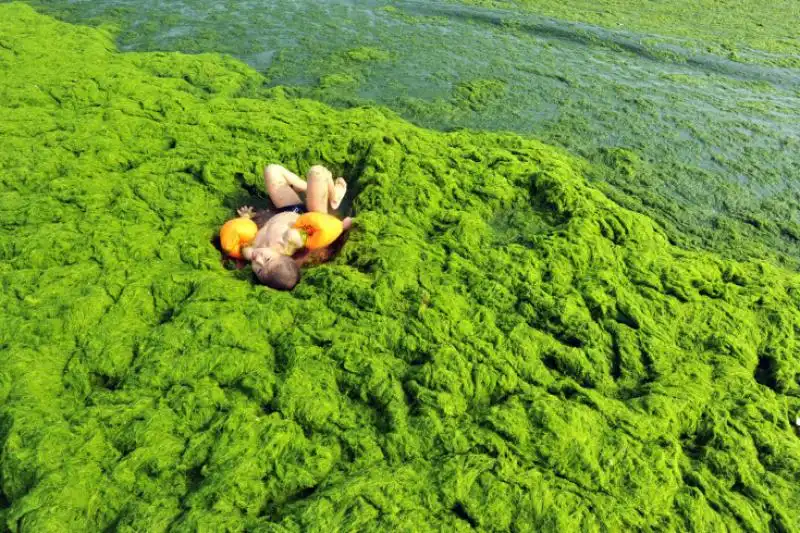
278	237
321	189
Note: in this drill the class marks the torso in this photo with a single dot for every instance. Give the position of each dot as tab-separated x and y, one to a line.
272	234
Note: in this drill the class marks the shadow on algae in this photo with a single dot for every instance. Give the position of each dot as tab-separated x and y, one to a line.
499	346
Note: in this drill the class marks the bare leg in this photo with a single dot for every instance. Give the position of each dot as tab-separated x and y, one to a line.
323	191
283	186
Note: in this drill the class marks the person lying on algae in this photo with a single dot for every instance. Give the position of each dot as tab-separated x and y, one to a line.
278	242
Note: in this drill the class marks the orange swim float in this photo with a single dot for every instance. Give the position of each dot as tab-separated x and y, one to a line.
320	229
236	234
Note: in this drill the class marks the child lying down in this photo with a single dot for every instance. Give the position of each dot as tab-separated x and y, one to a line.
279	248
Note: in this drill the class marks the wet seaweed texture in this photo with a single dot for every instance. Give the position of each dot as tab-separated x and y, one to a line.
721	27
688	110
499	345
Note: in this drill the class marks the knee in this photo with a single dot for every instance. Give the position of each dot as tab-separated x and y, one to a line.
274	175
318	172
273	170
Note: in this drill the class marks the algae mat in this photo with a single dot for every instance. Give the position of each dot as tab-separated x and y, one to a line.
499	346
689	110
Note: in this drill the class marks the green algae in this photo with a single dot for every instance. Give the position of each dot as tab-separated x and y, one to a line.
477	94
713	120
499	346
367	53
716	26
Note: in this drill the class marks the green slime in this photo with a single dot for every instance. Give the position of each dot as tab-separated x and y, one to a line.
498	347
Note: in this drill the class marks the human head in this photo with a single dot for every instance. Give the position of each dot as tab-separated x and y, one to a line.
274	269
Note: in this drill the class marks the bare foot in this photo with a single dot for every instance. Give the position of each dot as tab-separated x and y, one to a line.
339	190
347	223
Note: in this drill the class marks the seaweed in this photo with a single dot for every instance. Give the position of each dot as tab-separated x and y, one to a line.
703	93
499	345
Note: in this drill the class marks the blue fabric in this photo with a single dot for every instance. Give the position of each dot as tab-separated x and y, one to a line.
297	208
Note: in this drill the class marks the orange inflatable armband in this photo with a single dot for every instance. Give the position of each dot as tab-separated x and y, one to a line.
320	229
235	234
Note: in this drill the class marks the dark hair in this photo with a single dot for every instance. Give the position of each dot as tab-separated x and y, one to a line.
282	275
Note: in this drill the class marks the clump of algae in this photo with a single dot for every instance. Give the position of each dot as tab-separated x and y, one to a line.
498	346
723	27
478	94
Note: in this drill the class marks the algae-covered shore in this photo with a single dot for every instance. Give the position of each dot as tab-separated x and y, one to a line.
689	111
499	346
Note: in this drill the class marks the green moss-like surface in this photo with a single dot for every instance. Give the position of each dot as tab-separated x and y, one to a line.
499	345
712	120
367	53
478	94
722	26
